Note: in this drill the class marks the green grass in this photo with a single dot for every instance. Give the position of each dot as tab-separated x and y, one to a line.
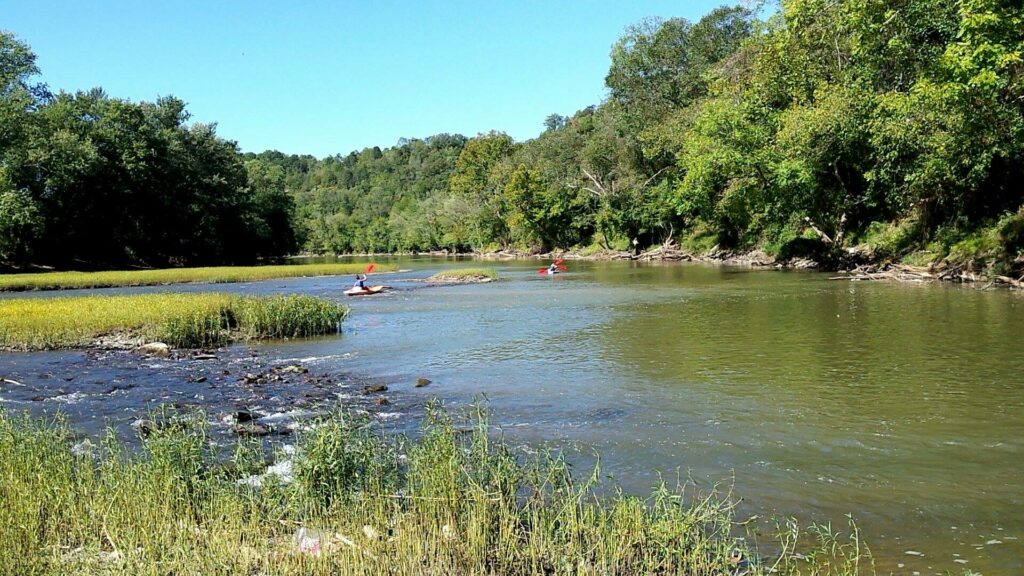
465	275
446	503
215	275
181	320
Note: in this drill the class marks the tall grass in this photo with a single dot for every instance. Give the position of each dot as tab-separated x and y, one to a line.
182	320
464	275
214	275
447	503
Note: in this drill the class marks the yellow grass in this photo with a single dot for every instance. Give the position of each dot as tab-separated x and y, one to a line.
213	275
179	319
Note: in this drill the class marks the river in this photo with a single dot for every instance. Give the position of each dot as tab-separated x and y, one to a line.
899	404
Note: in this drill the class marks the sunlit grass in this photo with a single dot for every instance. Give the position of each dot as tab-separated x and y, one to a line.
465	275
182	320
219	274
360	503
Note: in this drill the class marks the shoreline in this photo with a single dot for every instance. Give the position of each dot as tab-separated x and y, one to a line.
856	266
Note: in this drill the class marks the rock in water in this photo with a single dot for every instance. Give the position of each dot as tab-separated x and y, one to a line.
421	382
145	427
251	429
372	388
156	349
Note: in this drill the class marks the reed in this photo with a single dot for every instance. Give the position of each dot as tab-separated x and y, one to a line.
212	275
180	320
465	275
360	503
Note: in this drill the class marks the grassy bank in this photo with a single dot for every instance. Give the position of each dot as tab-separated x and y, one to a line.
360	503
216	275
465	275
182	320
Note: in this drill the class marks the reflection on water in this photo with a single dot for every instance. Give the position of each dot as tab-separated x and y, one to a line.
900	404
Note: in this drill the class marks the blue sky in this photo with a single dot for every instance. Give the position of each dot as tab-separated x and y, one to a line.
331	77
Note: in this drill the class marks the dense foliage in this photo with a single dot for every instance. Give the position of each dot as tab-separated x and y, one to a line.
86	178
894	126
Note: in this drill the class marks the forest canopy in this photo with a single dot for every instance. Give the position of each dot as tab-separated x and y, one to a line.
893	128
95	181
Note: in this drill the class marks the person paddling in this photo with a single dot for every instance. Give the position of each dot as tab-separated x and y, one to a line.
360	282
553	269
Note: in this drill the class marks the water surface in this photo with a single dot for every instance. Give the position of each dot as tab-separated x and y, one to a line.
900	404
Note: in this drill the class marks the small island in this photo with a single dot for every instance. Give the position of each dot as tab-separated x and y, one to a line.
464	276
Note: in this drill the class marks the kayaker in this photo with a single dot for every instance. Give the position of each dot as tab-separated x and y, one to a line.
553	269
360	282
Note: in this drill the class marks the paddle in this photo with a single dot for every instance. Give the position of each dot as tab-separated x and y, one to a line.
370	268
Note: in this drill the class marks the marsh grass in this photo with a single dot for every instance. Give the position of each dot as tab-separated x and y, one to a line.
449	502
213	275
181	320
465	275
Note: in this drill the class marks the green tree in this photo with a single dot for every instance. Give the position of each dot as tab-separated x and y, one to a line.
20	223
659	65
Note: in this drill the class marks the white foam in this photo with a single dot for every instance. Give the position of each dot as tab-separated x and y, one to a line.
72	398
283	470
278	417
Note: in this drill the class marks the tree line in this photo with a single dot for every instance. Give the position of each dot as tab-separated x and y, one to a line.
892	126
87	180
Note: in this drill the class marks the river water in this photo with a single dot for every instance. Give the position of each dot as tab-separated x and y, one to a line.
899	404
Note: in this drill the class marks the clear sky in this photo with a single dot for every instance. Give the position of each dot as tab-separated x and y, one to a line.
331	77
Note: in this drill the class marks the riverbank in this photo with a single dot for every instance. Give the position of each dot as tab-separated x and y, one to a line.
179	320
345	499
162	277
858	264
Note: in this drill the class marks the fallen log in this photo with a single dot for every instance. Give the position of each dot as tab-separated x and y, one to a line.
1015	283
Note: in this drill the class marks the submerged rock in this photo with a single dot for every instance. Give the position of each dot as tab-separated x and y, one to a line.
373	388
243	416
252	429
421	382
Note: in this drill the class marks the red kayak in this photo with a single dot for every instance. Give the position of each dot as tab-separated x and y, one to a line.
364	291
